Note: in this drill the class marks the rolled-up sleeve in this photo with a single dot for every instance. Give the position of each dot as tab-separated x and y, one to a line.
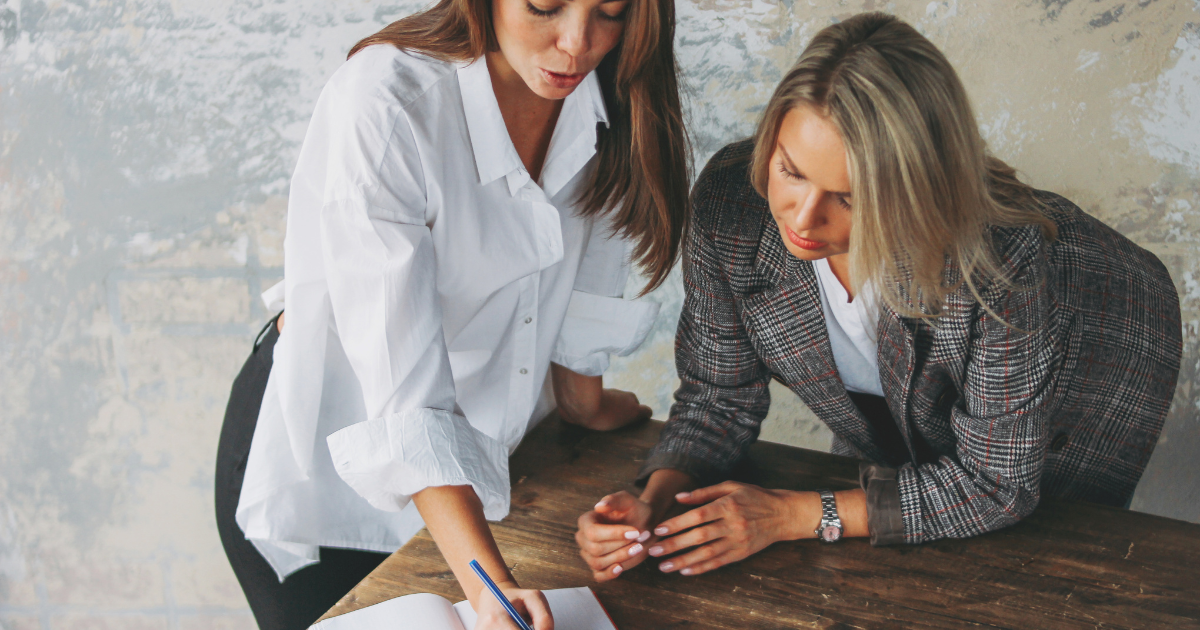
384	297
598	327
600	323
885	519
380	268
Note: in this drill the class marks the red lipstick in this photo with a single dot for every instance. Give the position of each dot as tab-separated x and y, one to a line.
803	243
561	80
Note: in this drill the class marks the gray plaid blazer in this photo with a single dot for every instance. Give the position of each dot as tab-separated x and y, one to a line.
1071	409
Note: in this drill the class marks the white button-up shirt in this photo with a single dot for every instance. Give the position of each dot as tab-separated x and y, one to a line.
429	282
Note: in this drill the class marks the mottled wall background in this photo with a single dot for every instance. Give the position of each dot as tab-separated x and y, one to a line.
146	148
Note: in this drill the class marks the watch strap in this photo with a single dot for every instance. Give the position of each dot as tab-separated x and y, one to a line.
829	518
828	506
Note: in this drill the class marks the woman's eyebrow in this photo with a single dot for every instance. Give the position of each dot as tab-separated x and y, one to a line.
788	159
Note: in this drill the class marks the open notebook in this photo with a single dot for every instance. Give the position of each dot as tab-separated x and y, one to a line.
573	609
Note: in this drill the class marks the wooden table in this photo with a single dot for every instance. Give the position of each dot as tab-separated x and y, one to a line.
1069	565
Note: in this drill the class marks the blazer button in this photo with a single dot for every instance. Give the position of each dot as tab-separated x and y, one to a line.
1059	442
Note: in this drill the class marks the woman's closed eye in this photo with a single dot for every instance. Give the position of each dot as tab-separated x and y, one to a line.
619	16
529	6
794	176
613	11
789	173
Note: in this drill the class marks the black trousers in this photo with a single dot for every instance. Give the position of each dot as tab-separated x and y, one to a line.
308	593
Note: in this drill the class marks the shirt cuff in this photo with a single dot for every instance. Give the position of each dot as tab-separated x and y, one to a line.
885	519
703	472
598	326
388	459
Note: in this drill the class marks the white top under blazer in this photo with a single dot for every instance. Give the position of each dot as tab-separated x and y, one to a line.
429	282
851	326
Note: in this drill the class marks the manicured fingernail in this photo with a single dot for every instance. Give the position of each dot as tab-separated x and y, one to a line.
617	570
635	550
601	504
644	536
687	571
683	495
666	566
630	535
661	531
656	550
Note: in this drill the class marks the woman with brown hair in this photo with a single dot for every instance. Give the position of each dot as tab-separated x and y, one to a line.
471	189
980	344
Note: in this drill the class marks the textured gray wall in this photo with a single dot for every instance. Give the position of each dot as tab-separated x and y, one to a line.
146	146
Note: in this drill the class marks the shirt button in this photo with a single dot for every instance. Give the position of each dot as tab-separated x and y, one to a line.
524	371
528	320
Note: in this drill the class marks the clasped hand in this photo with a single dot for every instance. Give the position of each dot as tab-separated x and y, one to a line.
733	521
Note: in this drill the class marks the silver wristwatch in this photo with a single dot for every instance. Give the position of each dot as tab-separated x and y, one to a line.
830	529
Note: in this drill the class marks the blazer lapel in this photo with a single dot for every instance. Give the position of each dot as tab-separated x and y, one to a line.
896	368
787	327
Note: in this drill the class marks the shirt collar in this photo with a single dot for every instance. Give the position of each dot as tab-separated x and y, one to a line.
589	93
495	156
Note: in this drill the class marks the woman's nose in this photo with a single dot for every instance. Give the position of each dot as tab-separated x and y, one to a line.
810	213
574	39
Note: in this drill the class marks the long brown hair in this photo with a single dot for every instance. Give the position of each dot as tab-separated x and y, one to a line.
642	169
925	190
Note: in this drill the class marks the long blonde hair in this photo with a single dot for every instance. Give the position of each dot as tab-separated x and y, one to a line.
924	189
642	165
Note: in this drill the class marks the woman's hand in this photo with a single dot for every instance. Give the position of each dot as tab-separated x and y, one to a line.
454	516
617	409
739	520
613	537
582	400
530	603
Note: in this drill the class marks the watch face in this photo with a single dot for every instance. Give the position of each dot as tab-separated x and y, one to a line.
831	533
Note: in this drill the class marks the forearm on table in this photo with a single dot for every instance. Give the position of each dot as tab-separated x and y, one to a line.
805	513
661	488
454	516
803	507
577	395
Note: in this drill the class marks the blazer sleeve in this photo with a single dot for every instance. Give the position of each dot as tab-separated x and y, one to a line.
999	424
723	394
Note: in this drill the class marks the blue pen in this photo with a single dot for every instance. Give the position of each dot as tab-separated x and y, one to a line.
487	581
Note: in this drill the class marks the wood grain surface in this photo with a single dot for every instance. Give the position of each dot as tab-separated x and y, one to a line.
1069	565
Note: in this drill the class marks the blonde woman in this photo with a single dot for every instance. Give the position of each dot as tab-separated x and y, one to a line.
980	344
473	184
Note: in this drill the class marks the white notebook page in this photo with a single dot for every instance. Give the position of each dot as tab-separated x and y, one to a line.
573	609
425	611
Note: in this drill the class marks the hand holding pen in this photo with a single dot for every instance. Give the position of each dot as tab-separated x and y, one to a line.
502	606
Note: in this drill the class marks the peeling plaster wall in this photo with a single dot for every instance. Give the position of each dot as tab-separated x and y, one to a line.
145	147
